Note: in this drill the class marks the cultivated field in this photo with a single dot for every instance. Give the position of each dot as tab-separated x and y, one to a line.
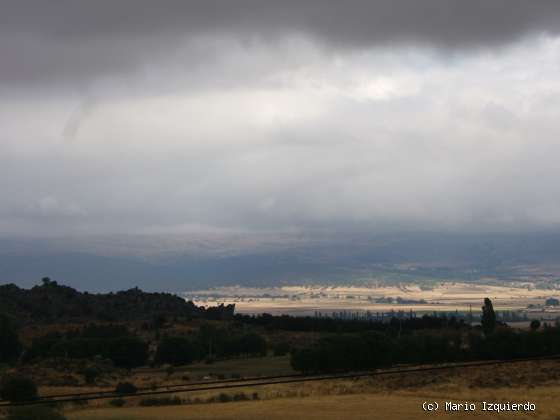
447	297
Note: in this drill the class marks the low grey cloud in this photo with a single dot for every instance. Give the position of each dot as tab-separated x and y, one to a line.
75	42
77	118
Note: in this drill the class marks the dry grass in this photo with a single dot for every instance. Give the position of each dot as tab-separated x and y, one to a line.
360	406
385	397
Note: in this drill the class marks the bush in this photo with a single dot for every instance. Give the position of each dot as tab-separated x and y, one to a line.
90	375
17	388
128	352
281	349
147	402
117	402
224	398
176	351
11	347
125	388
34	413
241	396
252	344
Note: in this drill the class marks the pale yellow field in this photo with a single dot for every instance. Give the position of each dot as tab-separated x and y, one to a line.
361	406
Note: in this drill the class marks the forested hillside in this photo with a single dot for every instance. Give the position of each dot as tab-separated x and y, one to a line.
51	302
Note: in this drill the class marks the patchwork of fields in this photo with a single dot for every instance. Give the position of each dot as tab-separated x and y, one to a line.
442	297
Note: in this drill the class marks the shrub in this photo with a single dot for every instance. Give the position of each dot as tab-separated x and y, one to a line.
147	402
110	342
34	413
17	388
80	403
117	402
11	347
128	352
125	388
176	351
281	349
240	396
252	344
224	397
90	375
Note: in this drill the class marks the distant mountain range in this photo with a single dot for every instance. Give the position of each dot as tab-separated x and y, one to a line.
183	263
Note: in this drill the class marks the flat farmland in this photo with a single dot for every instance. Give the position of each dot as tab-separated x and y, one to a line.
443	297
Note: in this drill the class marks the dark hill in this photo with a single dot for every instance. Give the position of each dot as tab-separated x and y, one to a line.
51	302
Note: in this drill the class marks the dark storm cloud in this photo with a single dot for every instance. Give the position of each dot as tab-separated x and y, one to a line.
65	40
355	21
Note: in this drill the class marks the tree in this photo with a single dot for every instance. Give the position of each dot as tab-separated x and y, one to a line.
176	351
90	375
305	360
282	348
488	320
535	324
10	347
208	335
15	388
125	388
127	352
252	344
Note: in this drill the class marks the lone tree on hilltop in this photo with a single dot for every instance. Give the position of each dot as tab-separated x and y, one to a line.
488	320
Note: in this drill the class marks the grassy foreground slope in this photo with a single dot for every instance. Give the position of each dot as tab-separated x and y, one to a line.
398	396
360	406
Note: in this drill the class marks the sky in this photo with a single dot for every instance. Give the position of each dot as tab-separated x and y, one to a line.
130	117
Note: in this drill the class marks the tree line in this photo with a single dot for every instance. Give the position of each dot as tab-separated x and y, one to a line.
332	325
372	349
127	350
113	342
207	344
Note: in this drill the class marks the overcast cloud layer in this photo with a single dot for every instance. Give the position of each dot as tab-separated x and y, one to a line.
244	116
